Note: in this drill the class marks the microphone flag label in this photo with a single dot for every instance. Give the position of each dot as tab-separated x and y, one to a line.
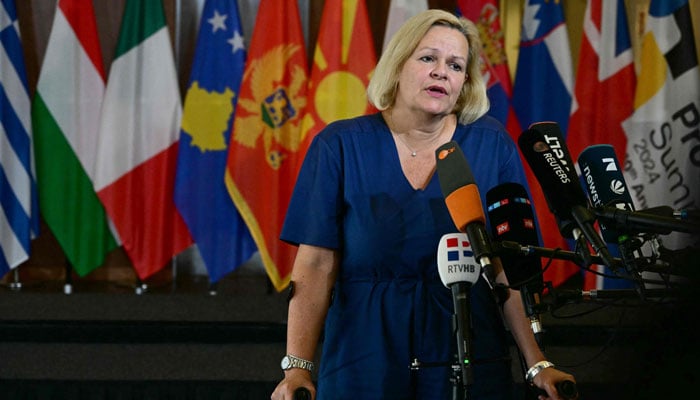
457	248
455	259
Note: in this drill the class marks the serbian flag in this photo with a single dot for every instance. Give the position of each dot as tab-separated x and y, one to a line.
66	119
603	97
542	91
485	14
138	136
266	142
344	59
663	134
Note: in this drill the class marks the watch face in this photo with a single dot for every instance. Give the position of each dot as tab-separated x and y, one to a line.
285	362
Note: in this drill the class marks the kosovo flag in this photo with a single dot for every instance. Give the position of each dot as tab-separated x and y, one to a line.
216	226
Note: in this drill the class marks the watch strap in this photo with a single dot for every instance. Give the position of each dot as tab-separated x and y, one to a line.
535	369
297	362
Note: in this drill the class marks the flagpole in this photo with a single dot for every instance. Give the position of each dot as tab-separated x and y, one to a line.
68	281
15	285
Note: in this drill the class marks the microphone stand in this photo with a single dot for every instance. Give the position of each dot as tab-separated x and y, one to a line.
462	375
515	248
646	220
460	391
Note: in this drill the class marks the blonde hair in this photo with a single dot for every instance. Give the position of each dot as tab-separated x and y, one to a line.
472	102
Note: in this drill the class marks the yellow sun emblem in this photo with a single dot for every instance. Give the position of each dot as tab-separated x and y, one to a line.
274	111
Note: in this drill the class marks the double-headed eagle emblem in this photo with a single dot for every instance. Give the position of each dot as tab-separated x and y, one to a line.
274	110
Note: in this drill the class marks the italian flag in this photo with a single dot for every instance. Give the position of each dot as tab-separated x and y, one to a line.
138	136
65	116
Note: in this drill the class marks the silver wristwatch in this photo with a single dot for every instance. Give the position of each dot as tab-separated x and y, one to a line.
535	369
289	361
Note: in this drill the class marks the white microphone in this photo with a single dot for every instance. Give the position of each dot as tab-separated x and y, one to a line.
459	270
455	260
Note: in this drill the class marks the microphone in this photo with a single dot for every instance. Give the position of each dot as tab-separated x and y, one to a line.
459	271
512	219
605	184
463	201
544	149
607	190
613	205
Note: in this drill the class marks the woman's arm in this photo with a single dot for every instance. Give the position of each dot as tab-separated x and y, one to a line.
519	324
313	276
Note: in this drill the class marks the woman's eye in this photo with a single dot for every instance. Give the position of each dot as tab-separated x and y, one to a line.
427	58
456	67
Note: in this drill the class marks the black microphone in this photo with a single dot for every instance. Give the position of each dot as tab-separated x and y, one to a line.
606	188
459	271
605	185
613	205
544	149
464	202
512	219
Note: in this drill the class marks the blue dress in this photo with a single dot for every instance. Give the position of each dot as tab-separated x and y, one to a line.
389	306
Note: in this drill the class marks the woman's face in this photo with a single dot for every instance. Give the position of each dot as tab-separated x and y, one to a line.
432	77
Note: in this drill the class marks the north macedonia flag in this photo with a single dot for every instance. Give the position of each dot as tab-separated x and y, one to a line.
344	59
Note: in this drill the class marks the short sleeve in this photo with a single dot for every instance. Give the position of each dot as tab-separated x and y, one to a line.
314	213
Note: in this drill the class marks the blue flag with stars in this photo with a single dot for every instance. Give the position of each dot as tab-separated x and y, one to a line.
217	228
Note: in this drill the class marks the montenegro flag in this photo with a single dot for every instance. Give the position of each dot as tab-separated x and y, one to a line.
344	59
265	145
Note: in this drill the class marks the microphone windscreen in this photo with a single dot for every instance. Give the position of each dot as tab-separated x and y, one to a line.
512	219
455	260
605	183
458	186
544	148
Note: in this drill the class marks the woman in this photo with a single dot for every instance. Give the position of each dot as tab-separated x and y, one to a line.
367	214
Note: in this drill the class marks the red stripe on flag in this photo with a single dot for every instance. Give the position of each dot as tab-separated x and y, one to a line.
80	16
143	210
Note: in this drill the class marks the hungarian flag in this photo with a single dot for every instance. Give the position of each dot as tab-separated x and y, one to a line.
344	59
663	140
542	91
399	12
19	211
222	237
66	118
603	97
265	147
137	145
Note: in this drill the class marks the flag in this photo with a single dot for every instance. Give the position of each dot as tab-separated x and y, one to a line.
344	59
542	91
65	117
137	146
221	235
663	134
399	12
265	145
486	17
19	213
604	94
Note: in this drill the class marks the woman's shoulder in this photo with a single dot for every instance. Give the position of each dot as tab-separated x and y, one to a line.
486	123
486	128
362	123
